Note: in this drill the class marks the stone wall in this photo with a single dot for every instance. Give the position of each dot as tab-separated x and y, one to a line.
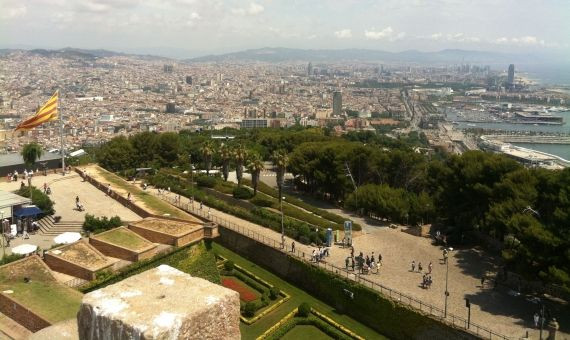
112	250
367	306
59	265
154	236
189	238
21	314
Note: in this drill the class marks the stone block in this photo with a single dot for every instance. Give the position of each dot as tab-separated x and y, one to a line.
161	303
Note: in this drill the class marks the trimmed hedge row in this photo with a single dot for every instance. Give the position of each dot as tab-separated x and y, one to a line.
310	320
297	230
264	188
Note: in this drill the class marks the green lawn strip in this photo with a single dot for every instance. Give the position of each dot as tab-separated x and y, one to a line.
42	294
297	297
305	332
124	238
150	201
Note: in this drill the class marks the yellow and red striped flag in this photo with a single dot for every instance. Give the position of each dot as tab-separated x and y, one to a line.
46	113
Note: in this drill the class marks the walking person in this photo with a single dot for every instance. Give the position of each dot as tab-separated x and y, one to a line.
429	267
413	265
129	197
536	319
108	189
293	246
420	267
379	259
346	262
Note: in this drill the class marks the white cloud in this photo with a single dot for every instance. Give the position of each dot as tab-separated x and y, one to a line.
195	16
253	9
436	36
385	34
343	34
13	12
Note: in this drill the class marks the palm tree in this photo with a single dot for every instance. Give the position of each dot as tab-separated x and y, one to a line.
31	153
280	161
240	155
225	155
255	166
207	151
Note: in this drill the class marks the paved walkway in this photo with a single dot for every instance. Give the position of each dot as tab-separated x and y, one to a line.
492	308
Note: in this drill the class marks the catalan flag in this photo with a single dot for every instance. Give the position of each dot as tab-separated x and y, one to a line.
46	113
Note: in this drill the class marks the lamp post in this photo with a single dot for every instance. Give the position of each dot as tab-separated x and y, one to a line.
191	180
446	281
282	225
468	305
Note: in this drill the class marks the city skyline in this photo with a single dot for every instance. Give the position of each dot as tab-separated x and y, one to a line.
189	28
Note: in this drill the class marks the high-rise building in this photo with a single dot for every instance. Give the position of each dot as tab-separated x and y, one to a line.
337	103
511	75
167	68
170	107
189	80
310	69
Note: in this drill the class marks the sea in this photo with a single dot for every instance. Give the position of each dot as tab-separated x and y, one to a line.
557	75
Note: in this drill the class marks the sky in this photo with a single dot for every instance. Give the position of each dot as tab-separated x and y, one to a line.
187	28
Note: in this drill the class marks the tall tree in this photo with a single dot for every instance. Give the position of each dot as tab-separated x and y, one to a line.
240	155
207	151
31	153
255	166
225	155
280	161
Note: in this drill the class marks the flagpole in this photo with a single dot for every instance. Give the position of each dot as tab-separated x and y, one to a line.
60	112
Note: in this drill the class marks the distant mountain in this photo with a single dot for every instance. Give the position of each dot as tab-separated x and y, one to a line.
279	54
77	53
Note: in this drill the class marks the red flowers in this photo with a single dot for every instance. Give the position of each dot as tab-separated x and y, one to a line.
245	293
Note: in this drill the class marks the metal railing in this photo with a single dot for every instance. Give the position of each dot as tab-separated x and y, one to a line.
399	297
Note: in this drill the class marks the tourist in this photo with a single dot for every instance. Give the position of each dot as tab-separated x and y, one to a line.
429	268
482	281
129	197
76	200
413	265
346	262
293	246
22	185
200	205
379	259
45	187
372	257
353	264
367	261
419	267
536	319
445	255
314	256
109	189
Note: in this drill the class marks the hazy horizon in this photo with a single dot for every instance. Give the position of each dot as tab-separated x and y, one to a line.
190	28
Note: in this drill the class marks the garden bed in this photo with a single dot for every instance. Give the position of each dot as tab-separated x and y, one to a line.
314	326
258	297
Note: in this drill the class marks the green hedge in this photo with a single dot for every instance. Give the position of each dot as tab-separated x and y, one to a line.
242	193
206	181
326	328
39	199
264	188
97	225
295	229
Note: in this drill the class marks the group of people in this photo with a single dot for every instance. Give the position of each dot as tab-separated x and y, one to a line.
13	177
364	264
427	279
320	253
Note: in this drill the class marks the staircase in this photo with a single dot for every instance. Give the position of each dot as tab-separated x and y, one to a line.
48	227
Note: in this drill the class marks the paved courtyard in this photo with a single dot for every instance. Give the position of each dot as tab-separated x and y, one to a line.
64	190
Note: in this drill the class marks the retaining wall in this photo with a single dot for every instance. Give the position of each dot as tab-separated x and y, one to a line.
21	314
367	306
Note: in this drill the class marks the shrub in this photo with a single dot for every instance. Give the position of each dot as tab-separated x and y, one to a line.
206	181
304	309
97	225
261	202
229	265
39	199
274	292
10	258
250	308
242	193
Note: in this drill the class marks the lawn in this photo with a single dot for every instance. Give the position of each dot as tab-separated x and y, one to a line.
246	294
124	238
42	294
297	297
305	332
150	201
